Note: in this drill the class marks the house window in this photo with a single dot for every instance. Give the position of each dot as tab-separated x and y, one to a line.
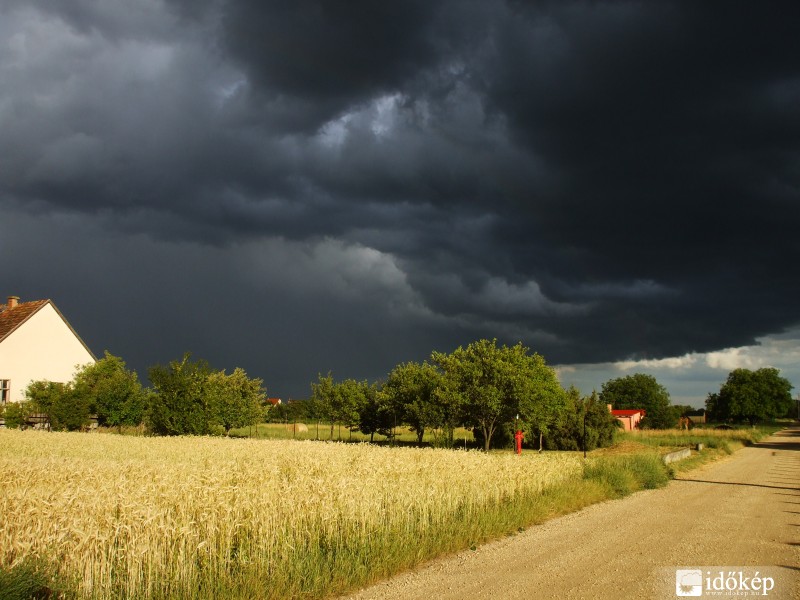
5	390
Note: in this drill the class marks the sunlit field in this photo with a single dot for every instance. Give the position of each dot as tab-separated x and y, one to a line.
322	431
137	517
712	438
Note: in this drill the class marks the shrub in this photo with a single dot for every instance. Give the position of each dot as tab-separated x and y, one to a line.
630	473
568	432
15	413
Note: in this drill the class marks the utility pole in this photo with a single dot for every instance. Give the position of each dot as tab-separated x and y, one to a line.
584	433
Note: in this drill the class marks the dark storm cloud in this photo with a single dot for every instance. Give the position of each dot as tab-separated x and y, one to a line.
599	179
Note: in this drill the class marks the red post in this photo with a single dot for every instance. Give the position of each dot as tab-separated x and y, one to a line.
518	441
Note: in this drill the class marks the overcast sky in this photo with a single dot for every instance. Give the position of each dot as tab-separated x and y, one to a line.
298	187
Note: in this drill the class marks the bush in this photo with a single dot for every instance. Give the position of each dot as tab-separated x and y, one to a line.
568	432
67	410
15	413
624	475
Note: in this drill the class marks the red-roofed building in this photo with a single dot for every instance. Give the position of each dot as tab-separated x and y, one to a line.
274	401
36	343
630	418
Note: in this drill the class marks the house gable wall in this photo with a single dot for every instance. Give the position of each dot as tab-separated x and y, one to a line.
43	347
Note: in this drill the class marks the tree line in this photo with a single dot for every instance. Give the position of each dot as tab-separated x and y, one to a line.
489	388
187	397
493	390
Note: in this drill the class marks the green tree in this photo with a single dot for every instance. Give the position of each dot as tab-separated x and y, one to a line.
43	394
350	396
237	400
411	390
70	411
541	398
601	425
585	423
494	384
751	396
112	392
180	404
341	402
640	391
376	415
323	396
449	412
15	414
66	410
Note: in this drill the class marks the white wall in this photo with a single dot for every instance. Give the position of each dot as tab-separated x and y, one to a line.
44	347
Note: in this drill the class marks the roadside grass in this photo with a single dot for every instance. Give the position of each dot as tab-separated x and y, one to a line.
726	440
622	474
32	578
706	456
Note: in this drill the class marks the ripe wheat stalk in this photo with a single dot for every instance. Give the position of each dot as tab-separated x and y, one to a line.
180	517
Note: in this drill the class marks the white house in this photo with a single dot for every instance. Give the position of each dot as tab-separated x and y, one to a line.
36	343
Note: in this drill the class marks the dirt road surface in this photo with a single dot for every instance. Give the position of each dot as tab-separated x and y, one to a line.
743	511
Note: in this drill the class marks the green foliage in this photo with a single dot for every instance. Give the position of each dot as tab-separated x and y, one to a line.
350	398
43	394
341	402
291	411
376	415
67	410
180	404
112	392
641	391
104	388
625	474
751	396
237	400
15	413
30	579
191	399
475	378
70	411
323	395
493	385
410	394
568	432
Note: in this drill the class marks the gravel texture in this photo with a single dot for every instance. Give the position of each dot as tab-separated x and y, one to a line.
743	511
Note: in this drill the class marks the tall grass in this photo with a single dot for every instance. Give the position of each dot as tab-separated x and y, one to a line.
726	440
133	517
623	474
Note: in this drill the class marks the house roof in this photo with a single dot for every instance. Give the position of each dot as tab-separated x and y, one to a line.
627	412
12	318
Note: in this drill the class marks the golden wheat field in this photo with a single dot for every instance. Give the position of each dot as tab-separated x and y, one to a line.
198	517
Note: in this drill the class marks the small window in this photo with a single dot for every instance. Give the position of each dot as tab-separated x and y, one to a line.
5	390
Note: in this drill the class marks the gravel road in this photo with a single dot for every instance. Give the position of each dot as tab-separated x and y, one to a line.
741	512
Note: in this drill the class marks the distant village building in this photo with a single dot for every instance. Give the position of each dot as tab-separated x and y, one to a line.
697	417
629	418
36	343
